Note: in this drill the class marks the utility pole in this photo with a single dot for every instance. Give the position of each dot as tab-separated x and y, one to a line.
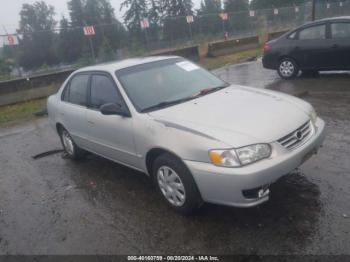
313	10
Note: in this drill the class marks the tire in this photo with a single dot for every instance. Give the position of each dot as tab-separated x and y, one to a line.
69	146
287	68
175	184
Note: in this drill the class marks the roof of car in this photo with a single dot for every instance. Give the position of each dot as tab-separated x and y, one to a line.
338	18
335	18
114	66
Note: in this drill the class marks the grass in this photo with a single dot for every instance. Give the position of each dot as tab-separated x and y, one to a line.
220	61
13	114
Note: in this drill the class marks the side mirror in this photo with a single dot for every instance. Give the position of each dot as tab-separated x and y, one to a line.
114	109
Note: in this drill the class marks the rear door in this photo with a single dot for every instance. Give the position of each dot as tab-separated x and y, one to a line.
311	49
111	136
73	109
340	32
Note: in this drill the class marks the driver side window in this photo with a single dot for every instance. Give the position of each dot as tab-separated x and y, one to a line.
103	91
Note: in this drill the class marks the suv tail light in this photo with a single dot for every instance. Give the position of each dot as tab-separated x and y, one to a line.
266	47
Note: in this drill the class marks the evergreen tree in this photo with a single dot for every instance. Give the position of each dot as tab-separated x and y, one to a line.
100	14
208	14
236	5
136	12
175	25
36	27
266	4
154	15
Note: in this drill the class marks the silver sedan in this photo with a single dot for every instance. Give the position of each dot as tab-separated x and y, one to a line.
199	138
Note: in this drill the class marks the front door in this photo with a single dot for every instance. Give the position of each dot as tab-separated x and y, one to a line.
73	109
111	136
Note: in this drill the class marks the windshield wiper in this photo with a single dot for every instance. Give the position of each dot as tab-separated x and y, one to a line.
208	91
178	101
166	104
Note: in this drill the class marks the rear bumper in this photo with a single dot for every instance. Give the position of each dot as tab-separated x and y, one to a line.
269	61
226	185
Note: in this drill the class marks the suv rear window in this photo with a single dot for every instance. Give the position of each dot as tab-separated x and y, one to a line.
313	32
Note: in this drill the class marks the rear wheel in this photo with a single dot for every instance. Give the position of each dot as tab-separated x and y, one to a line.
175	184
70	148
287	68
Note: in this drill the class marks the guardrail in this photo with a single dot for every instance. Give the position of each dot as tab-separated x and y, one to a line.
190	52
25	89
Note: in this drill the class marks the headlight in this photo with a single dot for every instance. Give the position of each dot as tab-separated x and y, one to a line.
241	156
313	116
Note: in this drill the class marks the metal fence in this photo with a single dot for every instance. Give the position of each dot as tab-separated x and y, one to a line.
170	32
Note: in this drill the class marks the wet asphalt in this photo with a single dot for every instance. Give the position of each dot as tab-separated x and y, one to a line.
53	205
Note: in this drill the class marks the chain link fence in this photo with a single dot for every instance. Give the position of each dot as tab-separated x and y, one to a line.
170	33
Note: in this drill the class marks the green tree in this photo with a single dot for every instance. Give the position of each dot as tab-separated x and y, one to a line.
236	5
36	27
100	14
208	16
106	52
154	14
136	11
175	25
67	50
265	4
5	67
239	15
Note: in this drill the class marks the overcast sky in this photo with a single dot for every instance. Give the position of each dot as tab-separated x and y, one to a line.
9	12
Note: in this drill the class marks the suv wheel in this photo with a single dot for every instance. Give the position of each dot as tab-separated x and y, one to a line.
175	184
70	148
287	68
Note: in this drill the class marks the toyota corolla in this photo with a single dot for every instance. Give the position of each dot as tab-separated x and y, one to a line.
199	138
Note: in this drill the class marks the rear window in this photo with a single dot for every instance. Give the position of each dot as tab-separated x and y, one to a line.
313	32
340	30
76	91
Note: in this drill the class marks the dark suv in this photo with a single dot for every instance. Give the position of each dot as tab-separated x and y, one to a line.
322	45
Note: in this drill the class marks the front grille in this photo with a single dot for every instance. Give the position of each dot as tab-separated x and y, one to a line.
297	137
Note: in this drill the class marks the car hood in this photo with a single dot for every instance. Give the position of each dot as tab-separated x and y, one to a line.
238	115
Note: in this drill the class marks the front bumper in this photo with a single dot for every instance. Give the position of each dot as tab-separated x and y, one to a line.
225	186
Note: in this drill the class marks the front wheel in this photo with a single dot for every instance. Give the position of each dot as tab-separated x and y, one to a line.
175	184
70	148
287	68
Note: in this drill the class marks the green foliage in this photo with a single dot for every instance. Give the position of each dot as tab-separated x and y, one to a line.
136	11
5	67
241	21
99	13
36	27
106	52
175	26
236	5
209	20
264	4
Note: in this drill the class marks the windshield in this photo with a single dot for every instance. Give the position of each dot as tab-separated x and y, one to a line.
167	82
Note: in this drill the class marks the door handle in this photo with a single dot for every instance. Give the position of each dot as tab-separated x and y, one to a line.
296	48
91	122
335	46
